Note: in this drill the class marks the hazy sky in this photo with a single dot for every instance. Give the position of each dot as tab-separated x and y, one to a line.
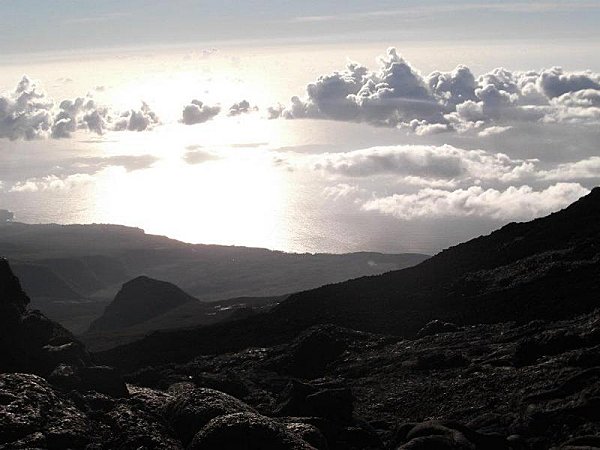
40	25
303	126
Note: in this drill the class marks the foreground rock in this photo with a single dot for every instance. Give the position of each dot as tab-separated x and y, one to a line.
503	386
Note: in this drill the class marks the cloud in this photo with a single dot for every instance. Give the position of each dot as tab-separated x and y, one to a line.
492	131
196	156
397	95
556	82
137	120
341	190
25	113
512	203
425	162
198	112
242	107
92	165
51	183
81	113
579	170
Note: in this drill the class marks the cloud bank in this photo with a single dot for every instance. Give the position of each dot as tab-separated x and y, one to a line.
398	95
514	202
426	181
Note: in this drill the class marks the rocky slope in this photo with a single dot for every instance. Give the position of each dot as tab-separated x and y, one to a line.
481	387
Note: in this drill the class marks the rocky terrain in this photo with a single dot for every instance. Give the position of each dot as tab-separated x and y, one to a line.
493	344
503	386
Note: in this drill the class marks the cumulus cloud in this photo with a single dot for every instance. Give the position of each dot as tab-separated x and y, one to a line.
556	82
242	107
398	95
198	112
81	113
512	203
137	120
25	113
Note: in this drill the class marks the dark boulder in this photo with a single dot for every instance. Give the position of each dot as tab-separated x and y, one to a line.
314	350
33	415
103	379
135	428
328	400
191	410
308	433
335	404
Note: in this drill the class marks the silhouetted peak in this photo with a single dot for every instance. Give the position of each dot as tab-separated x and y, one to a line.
141	299
141	281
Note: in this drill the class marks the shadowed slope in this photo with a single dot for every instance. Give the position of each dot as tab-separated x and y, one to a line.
548	268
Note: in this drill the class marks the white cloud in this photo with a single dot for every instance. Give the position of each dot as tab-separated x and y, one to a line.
398	95
242	107
556	82
198	112
25	113
580	170
427	162
341	190
51	182
493	130
137	120
81	113
510	204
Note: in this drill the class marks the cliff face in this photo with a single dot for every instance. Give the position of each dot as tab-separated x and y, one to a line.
29	341
12	298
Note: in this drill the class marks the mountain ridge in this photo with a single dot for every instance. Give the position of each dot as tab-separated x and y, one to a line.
524	271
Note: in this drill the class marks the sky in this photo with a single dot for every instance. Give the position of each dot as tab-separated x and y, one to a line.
299	126
82	24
